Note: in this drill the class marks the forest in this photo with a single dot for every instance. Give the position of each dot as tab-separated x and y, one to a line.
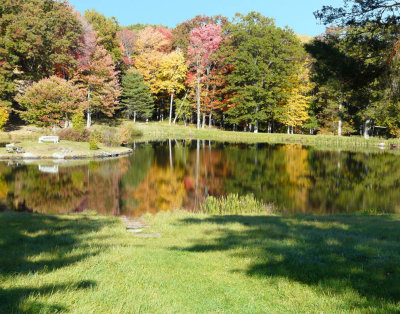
59	67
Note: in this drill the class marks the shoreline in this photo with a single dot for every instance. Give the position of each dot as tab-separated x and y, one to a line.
64	150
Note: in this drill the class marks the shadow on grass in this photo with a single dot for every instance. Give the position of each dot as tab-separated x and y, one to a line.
332	253
32	243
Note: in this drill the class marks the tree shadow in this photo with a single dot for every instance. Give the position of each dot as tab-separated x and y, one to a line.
11	299
332	253
32	243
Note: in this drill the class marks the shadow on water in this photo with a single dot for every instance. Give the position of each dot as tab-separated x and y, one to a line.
331	253
32	243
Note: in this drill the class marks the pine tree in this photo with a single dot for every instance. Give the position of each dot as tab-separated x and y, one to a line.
136	96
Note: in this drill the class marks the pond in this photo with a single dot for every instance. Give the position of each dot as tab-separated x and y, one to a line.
181	174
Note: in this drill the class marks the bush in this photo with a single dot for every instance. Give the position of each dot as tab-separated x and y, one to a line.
78	122
233	204
73	135
93	144
4	114
94	140
109	136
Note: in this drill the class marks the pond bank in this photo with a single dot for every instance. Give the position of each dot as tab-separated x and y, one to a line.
156	131
62	150
202	264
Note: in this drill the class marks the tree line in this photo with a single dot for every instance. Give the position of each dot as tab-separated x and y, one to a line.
242	74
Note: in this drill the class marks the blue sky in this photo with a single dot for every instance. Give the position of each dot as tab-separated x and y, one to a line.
296	14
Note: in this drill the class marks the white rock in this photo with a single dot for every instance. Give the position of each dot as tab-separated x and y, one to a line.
59	156
29	156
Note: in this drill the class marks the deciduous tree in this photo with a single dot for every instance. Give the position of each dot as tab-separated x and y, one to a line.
204	41
50	102
172	75
263	57
99	82
107	33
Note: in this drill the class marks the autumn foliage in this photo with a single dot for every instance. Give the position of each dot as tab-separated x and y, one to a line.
51	101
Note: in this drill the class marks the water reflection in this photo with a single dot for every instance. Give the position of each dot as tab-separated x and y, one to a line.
181	174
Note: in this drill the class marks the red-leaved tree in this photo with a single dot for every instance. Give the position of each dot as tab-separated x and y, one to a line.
204	41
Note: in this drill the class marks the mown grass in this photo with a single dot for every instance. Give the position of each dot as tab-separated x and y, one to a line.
244	264
46	150
158	131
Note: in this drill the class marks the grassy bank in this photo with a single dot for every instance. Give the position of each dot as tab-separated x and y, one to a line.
68	149
246	264
161	131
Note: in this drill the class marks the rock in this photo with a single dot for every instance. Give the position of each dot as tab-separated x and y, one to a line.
150	235
59	156
65	150
134	230
30	156
103	155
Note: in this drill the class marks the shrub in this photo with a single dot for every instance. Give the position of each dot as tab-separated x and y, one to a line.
78	122
73	135
109	136
233	204
93	144
94	140
4	114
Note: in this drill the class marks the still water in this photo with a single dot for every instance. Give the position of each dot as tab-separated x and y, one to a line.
181	174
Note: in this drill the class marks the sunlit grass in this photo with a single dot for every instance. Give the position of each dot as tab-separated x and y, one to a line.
155	131
67	148
200	264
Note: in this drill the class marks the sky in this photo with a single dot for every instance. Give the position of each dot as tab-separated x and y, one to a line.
296	14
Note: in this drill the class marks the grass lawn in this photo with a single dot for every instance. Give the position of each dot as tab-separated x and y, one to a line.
46	150
155	131
89	264
159	131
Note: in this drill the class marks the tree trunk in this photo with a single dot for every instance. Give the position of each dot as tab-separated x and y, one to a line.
88	118
134	117
210	119
204	121
170	108
89	114
256	127
288	130
256	123
198	100
366	128
339	131
176	114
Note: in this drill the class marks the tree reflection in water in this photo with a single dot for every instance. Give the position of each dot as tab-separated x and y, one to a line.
181	174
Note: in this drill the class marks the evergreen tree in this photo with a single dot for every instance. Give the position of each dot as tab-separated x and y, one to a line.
136	96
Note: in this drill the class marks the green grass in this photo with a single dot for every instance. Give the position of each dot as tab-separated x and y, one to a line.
201	264
46	150
156	131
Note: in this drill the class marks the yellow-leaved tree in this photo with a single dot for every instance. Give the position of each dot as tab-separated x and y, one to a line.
151	46
294	111
172	75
